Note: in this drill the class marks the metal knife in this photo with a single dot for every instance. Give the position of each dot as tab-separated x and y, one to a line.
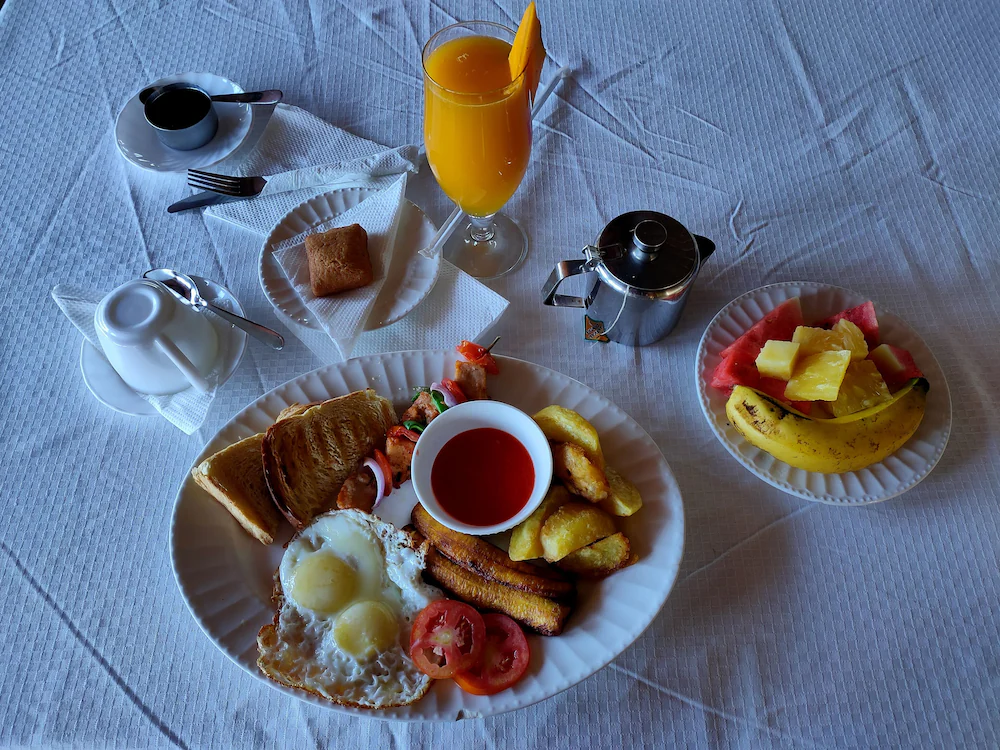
199	200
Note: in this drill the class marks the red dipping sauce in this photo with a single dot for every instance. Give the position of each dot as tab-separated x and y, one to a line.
483	477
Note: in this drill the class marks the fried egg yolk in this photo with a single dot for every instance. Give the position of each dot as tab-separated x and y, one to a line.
366	627
324	583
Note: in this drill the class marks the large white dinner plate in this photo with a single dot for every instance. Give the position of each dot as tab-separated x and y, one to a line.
889	478
410	278
226	577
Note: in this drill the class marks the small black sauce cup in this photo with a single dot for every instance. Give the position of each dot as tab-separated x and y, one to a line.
182	115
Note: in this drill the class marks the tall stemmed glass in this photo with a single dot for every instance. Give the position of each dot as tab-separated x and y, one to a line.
477	132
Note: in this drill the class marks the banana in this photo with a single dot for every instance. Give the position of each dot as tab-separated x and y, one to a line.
829	446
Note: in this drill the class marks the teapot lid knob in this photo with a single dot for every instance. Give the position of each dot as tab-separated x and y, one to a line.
649	236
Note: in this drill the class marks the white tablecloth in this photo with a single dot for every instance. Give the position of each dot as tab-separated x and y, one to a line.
841	141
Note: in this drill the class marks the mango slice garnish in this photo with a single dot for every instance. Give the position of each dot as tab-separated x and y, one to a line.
527	53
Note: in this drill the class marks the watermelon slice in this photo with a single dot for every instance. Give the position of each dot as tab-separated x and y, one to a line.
775	388
739	368
863	316
895	365
779	324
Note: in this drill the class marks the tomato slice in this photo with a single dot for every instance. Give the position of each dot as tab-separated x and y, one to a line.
505	658
478	354
383	462
454	389
447	636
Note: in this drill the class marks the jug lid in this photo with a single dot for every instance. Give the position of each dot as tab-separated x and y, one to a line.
655	254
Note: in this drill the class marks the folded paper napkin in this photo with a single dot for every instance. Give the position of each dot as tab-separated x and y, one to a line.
343	315
458	307
290	148
185	410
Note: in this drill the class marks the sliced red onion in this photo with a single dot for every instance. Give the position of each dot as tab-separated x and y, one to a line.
449	400
380	480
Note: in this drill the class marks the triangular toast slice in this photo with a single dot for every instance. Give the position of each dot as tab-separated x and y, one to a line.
307	457
235	477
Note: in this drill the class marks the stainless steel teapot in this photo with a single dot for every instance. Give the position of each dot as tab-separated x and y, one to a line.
644	264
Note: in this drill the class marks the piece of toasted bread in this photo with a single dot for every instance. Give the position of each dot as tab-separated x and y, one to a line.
489	561
293	410
235	477
307	457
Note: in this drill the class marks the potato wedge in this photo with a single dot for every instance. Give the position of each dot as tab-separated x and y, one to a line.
525	539
600	559
623	497
563	425
580	475
572	526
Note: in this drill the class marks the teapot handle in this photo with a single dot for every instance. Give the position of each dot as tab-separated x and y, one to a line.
182	363
563	270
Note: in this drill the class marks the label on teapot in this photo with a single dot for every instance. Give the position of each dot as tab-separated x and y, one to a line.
593	330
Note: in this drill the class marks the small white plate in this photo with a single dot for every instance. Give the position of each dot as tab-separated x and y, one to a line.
889	478
138	143
108	387
226	577
411	276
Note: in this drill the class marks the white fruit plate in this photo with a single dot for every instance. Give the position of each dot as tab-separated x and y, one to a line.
889	478
226	577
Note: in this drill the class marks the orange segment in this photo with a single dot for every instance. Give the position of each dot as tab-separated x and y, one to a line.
527	53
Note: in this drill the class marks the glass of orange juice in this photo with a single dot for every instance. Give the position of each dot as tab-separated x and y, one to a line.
477	132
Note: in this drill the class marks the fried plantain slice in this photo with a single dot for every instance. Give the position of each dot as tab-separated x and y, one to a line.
489	561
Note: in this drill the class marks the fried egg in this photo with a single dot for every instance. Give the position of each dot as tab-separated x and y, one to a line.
350	588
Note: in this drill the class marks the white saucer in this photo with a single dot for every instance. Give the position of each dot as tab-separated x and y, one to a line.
138	142
108	387
410	278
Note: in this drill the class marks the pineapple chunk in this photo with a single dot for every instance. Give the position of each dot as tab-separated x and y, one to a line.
863	388
816	340
818	377
844	336
854	339
777	359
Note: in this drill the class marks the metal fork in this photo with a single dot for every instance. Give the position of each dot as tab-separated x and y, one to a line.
239	187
